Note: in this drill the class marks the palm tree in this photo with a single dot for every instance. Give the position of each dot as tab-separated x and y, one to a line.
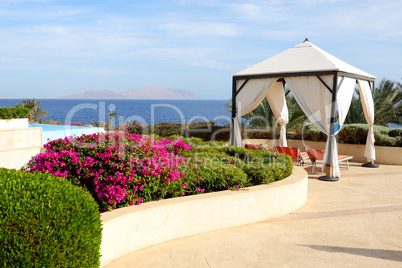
355	114
296	115
228	105
37	112
111	115
387	105
30	104
261	116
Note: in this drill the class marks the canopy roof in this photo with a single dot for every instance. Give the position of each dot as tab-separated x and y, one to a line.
303	58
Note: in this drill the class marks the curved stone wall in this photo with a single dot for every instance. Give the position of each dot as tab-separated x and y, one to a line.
136	227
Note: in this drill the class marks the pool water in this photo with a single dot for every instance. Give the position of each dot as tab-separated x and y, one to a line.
54	132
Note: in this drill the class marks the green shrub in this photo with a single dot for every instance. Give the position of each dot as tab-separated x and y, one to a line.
215	176
269	172
47	222
395	132
211	156
311	132
353	133
260	166
350	133
13	112
357	134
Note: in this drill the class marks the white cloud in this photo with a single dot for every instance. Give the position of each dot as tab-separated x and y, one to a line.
89	70
260	11
175	53
202	28
108	38
58	30
197	57
43	13
210	64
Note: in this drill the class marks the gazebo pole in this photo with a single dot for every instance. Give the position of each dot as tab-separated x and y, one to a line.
233	111
329	171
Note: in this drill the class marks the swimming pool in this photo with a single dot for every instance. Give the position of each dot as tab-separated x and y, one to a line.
54	132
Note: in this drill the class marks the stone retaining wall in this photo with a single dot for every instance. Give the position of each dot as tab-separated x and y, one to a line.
136	227
18	142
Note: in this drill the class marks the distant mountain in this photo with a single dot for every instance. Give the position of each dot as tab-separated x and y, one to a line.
94	94
158	92
153	92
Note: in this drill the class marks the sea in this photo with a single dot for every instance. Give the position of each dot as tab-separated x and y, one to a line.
146	112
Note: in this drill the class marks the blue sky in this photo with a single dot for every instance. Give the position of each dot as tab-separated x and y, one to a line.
50	48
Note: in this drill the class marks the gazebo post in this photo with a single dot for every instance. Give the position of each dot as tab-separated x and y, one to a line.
233	111
329	172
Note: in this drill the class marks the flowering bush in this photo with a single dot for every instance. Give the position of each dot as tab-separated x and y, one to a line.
121	169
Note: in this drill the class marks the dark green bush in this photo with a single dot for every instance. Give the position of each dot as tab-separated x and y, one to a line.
260	166
350	133
13	112
353	133
395	132
216	176
311	132
357	134
47	222
264	174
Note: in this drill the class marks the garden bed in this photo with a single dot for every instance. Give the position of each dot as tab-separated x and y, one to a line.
122	169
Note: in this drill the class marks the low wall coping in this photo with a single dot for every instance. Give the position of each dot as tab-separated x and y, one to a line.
14	123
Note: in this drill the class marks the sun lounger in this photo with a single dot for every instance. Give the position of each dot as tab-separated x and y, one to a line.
257	147
316	154
294	152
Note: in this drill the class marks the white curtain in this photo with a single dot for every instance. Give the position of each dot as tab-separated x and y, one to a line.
316	101
313	98
346	87
345	91
277	101
247	100
368	109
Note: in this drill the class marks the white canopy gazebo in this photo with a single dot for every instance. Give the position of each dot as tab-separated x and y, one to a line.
322	85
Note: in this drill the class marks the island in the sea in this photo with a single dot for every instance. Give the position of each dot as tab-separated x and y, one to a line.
152	92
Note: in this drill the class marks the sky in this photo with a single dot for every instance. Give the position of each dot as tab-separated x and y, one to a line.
51	48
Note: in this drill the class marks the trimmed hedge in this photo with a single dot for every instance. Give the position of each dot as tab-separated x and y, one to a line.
47	222
13	112
357	134
207	131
